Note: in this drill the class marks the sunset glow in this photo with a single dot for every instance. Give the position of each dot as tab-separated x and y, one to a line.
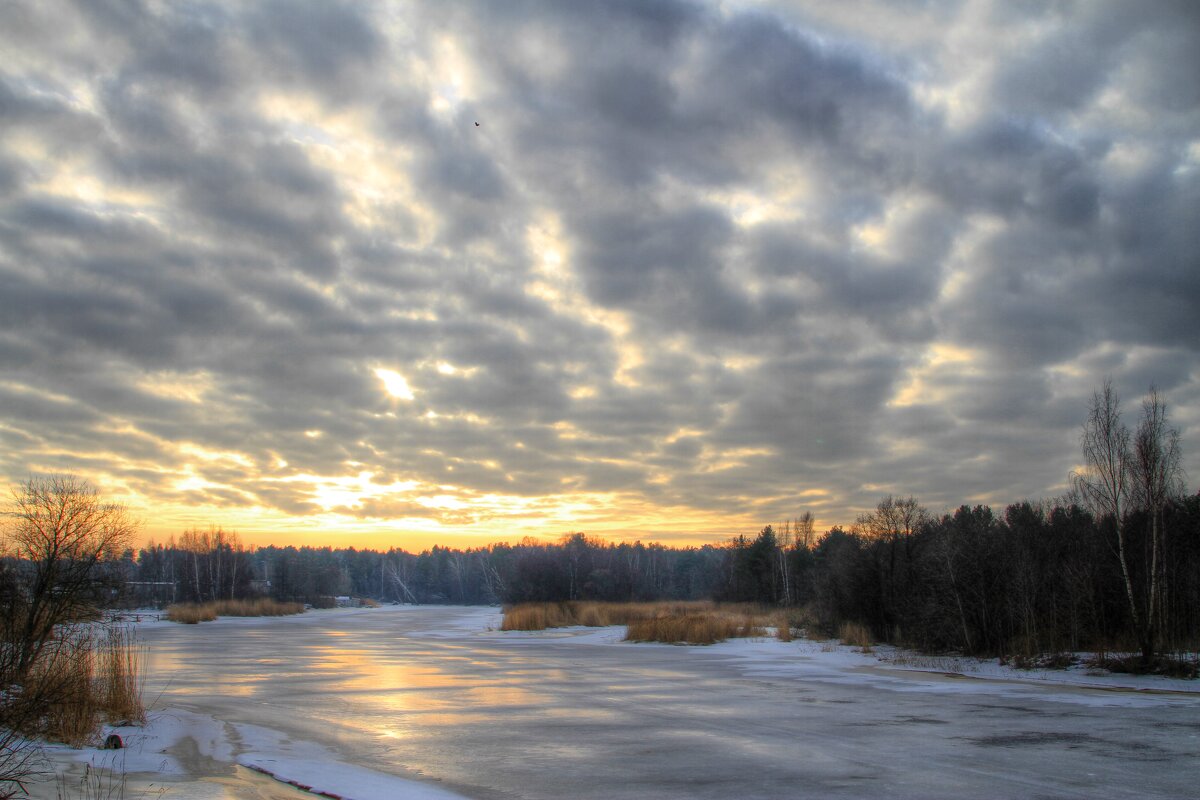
461	273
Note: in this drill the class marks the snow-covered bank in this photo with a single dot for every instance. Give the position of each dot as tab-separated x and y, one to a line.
177	750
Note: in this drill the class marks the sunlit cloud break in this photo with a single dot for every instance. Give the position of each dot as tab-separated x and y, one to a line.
410	272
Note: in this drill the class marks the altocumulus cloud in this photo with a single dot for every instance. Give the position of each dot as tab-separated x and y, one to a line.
699	266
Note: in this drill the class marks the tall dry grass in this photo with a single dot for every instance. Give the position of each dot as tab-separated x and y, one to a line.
783	627
84	677
96	783
192	613
61	688
121	678
856	635
676	622
703	627
591	614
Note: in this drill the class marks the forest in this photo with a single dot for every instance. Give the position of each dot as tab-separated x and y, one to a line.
1114	566
1036	578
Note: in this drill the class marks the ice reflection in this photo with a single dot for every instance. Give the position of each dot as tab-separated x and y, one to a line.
420	692
349	678
376	679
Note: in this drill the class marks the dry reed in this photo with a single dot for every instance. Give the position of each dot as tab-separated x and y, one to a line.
96	783
61	685
783	627
703	627
192	613
120	677
83	677
676	622
591	614
856	635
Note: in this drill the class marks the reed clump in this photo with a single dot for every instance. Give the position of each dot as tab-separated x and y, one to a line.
192	613
60	686
591	614
121	678
855	634
81	678
675	622
705	627
783	627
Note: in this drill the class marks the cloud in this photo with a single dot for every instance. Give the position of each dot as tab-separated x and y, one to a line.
700	265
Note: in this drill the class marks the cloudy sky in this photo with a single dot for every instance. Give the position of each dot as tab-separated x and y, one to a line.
391	273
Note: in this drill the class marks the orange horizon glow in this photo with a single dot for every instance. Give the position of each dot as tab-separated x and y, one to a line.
162	525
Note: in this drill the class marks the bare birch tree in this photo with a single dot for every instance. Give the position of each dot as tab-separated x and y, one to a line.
1123	474
1156	480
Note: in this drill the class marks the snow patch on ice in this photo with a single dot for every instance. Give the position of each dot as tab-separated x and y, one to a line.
151	749
315	769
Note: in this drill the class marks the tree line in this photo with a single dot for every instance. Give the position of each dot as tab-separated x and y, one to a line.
1113	565
1034	578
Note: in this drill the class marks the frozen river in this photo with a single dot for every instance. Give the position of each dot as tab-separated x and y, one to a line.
438	695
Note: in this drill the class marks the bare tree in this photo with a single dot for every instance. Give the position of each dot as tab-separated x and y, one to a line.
63	529
805	528
1121	475
59	530
1103	485
1156	478
893	521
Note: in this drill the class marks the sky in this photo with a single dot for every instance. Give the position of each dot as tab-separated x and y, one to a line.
402	273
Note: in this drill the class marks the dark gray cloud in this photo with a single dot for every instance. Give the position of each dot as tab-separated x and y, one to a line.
698	264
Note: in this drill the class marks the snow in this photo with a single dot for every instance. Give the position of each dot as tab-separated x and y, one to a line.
153	748
436	702
316	769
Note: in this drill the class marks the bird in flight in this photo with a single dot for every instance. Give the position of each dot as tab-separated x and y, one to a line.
476	124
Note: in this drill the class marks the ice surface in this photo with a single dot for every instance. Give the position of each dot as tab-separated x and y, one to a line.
432	702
